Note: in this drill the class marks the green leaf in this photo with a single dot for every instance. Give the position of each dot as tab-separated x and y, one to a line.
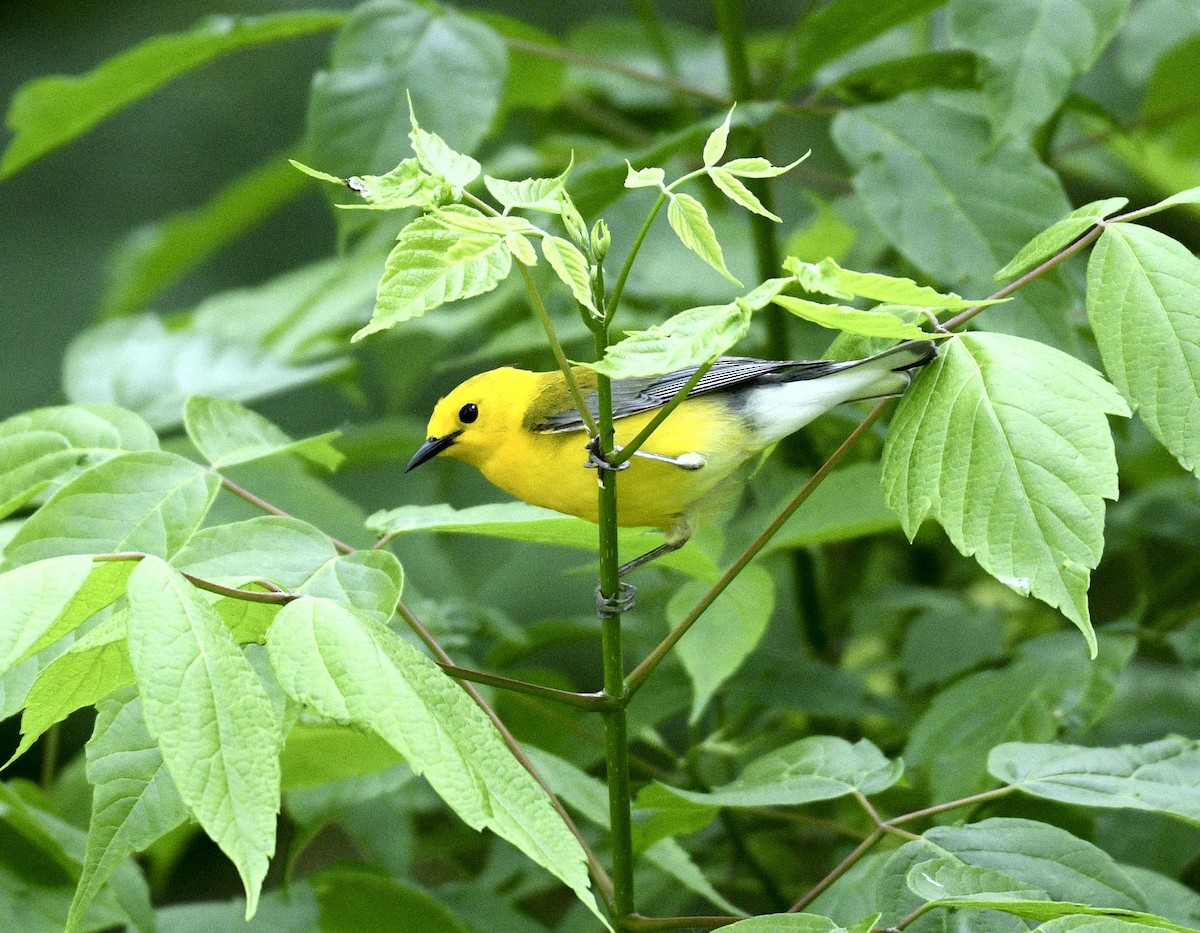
531	194
48	112
49	445
828	278
588	796
87	672
218	731
958	213
820	767
285	551
1051	685
32	598
689	220
571	266
172	365
149	501
1085	924
877	322
714	146
1058	236
438	158
689	338
407	185
758	167
1004	441
134	801
1162	777
105	584
953	69
155	255
351	668
848	504
227	433
1032	52
521	249
358	898
659	814
738	193
1189	196
649	177
367	581
838	27
787	923
451	66
424	272
1144	305
948	882
724	636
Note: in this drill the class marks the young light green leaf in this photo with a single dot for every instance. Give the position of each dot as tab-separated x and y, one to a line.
148	501
1057	237
438	158
48	445
285	551
134	802
317	173
1143	301
348	666
714	146
1032	51
738	193
427	269
32	598
690	338
531	194
1004	441
1162	777
758	167
227	433
219	732
87	672
828	278
877	322
103	587
454	217
407	185
521	249
649	177
723	638
1190	196
48	112
571	266
820	767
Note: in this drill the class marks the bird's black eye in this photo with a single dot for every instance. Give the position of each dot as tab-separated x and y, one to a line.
468	413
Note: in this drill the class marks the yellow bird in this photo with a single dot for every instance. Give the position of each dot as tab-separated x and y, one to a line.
523	432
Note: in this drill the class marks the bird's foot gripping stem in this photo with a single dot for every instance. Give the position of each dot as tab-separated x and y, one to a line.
597	461
623	601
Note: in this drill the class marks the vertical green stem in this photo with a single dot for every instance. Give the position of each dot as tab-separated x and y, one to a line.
616	737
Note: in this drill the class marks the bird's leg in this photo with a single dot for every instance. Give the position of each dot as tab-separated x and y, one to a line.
659	551
688	461
597	461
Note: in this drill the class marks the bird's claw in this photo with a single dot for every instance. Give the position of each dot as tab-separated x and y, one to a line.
623	601
597	461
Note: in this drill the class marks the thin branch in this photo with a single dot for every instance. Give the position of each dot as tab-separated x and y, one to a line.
637	922
597	702
276	597
952	805
842	867
243	493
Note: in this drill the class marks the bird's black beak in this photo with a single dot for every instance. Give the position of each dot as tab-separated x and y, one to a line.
430	449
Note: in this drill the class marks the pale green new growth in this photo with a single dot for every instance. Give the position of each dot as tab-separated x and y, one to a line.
714	146
1004	441
876	322
438	158
531	194
689	338
227	433
828	278
32	598
572	268
649	177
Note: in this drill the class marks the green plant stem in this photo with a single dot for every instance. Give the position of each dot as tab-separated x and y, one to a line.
628	450
51	742
982	797
610	309
842	867
277	596
597	702
635	680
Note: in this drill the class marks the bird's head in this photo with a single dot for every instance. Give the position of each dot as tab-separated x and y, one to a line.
476	417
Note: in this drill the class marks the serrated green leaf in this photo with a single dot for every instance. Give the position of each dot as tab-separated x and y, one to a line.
649	177
134	801
954	69
1143	302
87	672
820	767
588	796
218	731
157	254
228	433
658	814
531	194
358	119
876	322
1032	51
367	581
428	268
724	636
739	193
1058	236
758	167
48	445
1004	441
690	338
571	266
351	668
455	217
521	249
828	278
407	185
32	598
714	146
148	501
1052	685
438	158
285	551
1162	777
48	112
